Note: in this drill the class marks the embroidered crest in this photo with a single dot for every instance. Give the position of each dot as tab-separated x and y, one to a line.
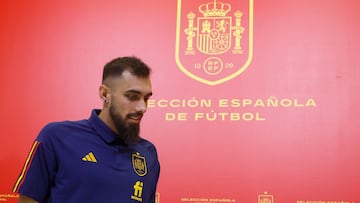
139	164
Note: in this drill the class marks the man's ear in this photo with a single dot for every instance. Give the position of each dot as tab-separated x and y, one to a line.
104	93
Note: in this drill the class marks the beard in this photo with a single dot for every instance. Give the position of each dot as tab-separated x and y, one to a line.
129	133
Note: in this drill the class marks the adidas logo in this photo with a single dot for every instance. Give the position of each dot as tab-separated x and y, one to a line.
90	158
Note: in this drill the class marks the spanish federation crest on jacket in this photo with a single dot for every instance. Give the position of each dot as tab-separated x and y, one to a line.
139	164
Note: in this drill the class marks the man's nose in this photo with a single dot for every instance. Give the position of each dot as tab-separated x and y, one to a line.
141	106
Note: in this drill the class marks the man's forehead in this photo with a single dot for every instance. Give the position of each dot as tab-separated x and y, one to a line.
131	83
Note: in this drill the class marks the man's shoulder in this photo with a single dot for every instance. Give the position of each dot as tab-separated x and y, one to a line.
57	128
146	142
148	145
65	125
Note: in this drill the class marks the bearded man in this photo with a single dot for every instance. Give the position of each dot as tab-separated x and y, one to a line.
100	159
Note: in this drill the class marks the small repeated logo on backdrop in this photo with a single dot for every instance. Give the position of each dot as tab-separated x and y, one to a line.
265	198
214	39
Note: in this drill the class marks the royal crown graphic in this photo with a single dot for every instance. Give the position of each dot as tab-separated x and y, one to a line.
214	9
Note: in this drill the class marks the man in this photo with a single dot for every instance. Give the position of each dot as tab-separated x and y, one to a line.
103	158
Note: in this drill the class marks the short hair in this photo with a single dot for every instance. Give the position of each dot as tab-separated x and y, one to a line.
127	63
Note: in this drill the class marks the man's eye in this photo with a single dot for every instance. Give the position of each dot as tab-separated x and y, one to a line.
132	97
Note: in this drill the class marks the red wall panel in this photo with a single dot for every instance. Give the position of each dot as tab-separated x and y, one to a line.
52	54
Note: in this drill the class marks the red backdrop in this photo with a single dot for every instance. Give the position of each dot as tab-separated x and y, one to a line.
305	148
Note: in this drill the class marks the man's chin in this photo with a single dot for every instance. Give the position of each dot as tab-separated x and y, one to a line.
133	126
132	134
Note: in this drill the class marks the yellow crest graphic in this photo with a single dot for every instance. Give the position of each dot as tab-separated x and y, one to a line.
139	164
265	198
214	40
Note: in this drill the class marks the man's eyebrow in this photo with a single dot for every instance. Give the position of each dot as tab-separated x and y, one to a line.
137	92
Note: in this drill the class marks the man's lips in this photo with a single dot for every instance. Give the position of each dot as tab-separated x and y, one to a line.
136	118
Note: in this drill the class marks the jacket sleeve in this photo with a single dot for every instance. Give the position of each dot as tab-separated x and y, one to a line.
39	170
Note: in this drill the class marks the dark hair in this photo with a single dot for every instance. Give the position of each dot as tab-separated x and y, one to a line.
130	63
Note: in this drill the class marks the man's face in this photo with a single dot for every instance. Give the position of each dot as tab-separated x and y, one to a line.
128	103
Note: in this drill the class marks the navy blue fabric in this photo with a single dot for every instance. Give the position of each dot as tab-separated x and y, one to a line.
61	173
